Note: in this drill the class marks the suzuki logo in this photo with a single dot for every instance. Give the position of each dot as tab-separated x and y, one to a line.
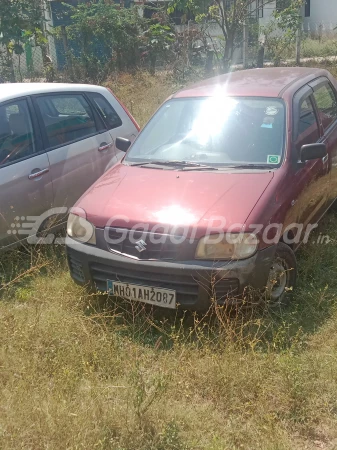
141	246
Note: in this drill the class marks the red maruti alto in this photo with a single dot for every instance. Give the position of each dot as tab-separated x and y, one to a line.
224	183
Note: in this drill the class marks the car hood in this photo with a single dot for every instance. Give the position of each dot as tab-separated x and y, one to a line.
126	196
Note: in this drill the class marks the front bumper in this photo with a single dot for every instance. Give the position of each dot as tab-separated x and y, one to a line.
195	282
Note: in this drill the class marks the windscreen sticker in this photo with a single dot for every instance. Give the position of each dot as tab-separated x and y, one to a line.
271	111
268	122
274	159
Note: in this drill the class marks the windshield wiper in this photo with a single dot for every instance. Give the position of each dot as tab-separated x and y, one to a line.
184	164
252	166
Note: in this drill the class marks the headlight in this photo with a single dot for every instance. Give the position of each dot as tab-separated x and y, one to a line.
227	246
81	229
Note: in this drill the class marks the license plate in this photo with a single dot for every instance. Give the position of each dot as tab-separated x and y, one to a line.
166	298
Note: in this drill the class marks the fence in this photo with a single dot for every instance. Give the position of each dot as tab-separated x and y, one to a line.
318	40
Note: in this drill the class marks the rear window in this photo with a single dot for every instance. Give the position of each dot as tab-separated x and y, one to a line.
220	131
109	115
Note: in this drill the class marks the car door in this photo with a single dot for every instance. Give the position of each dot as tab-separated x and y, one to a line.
309	195
26	186
116	122
76	142
326	103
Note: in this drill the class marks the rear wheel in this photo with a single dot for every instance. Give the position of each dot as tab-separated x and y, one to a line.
282	276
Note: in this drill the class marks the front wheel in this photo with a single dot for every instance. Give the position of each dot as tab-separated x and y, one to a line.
282	276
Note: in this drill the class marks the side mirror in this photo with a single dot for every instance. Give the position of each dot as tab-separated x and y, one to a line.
123	144
313	151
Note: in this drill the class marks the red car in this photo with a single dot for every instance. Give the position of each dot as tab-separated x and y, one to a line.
220	188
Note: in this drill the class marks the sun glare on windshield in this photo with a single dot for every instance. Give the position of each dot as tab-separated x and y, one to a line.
215	131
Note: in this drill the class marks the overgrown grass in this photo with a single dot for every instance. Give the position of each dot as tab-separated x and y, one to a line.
325	47
80	372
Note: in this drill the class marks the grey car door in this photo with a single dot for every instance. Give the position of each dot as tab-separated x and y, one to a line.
26	187
116	122
76	142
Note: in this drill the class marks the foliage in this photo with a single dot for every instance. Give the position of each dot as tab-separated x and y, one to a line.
107	37
230	16
158	37
110	38
21	21
280	33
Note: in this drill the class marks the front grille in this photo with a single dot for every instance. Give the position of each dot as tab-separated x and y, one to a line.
186	287
225	289
155	246
76	269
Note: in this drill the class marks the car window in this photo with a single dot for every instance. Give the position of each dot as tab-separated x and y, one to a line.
66	118
219	130
326	104
16	132
308	131
111	118
70	105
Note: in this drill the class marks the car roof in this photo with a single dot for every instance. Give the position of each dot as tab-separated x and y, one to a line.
13	90
271	82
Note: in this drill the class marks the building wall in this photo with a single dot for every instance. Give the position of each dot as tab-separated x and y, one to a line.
323	16
268	10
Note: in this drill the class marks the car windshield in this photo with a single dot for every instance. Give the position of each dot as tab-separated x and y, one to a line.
213	131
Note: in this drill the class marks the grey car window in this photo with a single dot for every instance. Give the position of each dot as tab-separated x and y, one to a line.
66	118
111	118
16	132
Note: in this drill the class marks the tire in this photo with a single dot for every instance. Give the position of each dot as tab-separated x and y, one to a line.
282	276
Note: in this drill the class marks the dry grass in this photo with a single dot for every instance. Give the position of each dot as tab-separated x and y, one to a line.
143	93
77	372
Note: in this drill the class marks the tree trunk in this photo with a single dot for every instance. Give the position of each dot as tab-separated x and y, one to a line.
260	57
153	59
10	66
228	53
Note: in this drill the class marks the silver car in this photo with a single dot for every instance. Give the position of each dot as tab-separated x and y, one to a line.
55	141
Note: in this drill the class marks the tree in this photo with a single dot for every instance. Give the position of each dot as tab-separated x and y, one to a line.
106	37
20	21
158	37
281	32
230	15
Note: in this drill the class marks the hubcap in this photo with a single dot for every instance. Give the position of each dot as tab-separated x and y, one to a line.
278	279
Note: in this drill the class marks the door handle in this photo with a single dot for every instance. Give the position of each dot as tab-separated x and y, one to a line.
38	174
325	159
105	146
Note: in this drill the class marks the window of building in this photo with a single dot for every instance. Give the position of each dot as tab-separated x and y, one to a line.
282	4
